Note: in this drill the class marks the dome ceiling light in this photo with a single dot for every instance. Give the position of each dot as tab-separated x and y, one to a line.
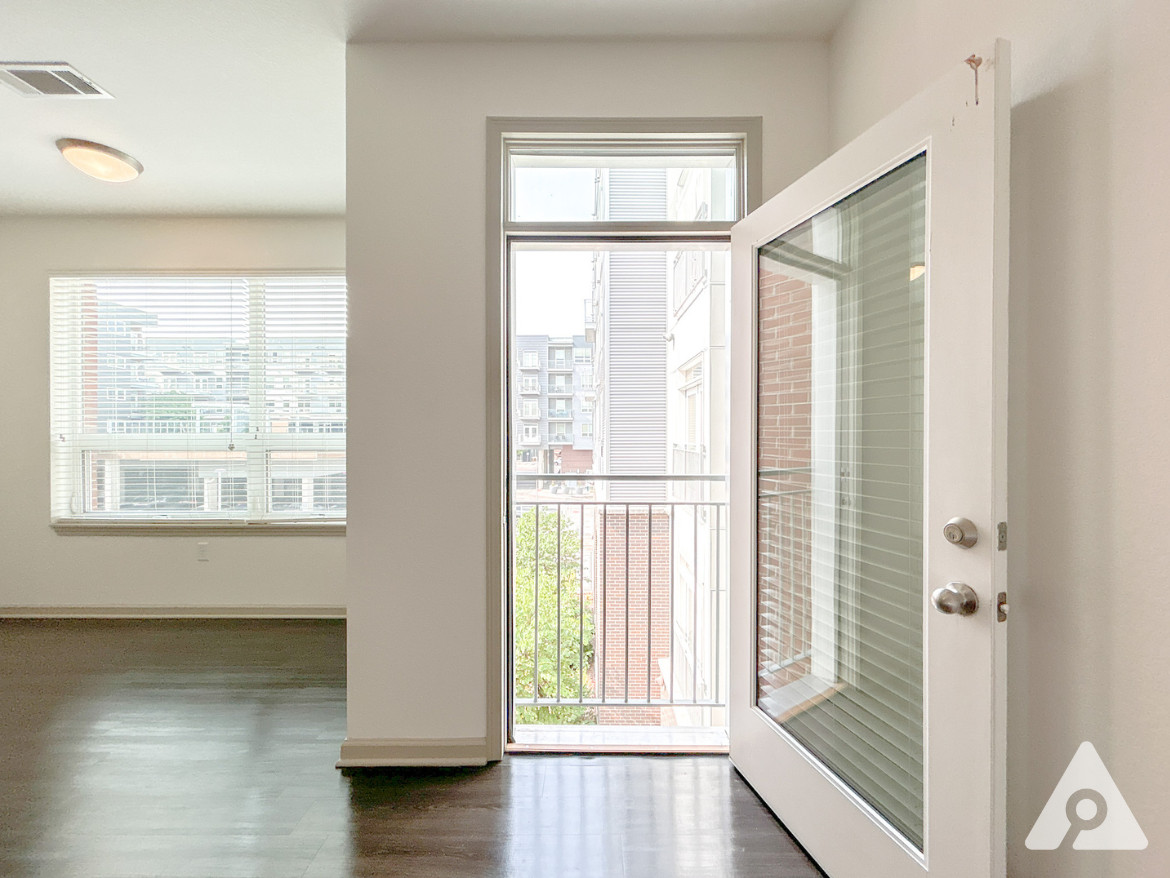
99	161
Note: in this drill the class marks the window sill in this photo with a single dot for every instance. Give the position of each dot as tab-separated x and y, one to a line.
199	528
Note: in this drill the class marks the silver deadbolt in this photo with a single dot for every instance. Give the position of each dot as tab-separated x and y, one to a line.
955	599
961	532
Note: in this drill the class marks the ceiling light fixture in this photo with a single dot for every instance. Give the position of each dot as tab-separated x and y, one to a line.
99	161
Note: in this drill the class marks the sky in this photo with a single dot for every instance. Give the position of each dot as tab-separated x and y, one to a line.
551	289
552	286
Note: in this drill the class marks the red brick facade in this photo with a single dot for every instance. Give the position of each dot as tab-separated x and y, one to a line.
634	567
785	443
574	460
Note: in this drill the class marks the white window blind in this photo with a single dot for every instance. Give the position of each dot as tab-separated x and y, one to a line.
841	400
201	398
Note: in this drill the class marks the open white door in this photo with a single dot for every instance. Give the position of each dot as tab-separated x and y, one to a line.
869	403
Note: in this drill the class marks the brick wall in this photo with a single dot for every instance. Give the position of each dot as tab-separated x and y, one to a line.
784	442
643	585
576	460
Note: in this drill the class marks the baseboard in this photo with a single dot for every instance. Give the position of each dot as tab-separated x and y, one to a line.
405	752
173	612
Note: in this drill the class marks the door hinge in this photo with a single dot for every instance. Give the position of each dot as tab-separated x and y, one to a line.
1001	536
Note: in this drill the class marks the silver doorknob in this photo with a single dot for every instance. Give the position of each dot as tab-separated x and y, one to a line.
961	532
955	598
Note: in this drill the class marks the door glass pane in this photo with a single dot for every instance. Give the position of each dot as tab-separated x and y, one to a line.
840	489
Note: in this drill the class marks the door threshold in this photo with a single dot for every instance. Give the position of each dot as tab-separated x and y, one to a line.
515	749
618	739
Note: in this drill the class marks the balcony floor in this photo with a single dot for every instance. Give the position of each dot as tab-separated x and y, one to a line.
619	739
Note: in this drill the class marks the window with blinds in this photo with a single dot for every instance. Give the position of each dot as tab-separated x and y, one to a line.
198	398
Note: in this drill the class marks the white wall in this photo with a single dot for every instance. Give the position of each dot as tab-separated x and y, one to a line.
1089	475
416	263
39	568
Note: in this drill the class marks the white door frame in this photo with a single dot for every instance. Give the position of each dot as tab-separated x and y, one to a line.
500	129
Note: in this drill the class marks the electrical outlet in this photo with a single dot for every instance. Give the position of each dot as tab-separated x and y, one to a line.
201	552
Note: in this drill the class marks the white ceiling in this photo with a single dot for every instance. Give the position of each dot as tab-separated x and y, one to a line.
372	20
237	106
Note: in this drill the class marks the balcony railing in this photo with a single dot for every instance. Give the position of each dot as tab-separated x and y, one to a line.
688	460
784	570
619	599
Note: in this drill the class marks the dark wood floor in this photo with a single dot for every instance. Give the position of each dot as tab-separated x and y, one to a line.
206	749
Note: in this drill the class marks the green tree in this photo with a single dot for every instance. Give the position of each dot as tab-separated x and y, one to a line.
169	406
575	620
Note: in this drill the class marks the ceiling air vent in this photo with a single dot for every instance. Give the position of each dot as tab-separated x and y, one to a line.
48	79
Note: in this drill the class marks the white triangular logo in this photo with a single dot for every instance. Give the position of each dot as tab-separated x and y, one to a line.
1087	807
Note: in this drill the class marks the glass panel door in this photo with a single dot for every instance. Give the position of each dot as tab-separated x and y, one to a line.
839	501
868	343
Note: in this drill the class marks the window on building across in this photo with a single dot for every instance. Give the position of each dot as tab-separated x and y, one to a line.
559	358
200	399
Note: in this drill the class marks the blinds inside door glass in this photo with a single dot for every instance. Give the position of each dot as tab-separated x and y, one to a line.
198	398
840	489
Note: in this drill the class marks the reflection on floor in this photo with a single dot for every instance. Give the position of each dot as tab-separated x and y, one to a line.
206	750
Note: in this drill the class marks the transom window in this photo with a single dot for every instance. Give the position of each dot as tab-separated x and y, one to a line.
198	398
597	179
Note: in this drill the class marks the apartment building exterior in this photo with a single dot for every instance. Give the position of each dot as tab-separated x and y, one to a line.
552	414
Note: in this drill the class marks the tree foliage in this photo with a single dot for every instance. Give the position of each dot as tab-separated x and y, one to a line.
539	609
169	406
